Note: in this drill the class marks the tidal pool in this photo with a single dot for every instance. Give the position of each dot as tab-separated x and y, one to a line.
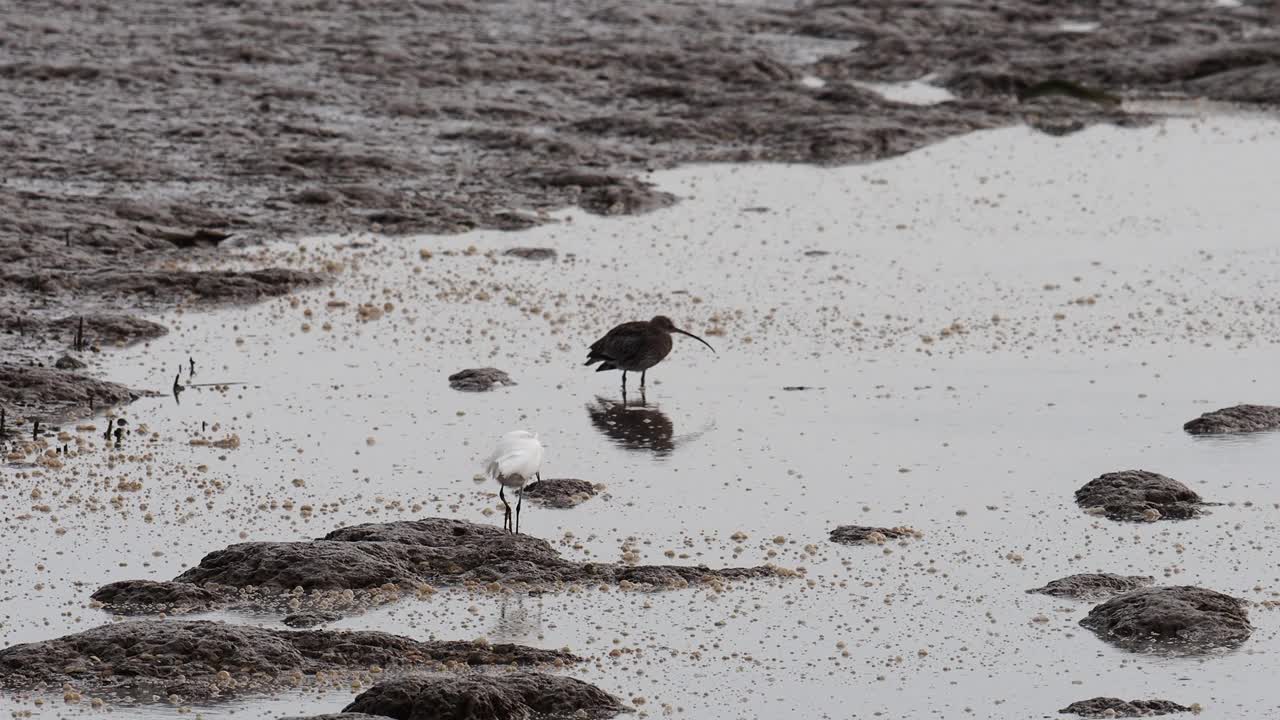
978	329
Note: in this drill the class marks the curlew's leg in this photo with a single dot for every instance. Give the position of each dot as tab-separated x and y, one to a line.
519	501
624	383
642	374
506	518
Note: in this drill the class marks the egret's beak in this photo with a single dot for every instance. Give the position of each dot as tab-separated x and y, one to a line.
695	337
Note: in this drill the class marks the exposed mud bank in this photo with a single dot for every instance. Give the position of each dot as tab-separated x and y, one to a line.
50	395
1105	707
198	660
387	558
343	115
1139	496
487	697
1236	419
1093	586
1179	618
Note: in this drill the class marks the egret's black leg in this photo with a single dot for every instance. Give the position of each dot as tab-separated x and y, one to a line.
506	517
519	501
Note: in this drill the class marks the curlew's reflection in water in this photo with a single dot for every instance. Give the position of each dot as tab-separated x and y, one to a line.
633	425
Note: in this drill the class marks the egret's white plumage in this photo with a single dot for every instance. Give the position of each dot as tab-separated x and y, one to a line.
515	462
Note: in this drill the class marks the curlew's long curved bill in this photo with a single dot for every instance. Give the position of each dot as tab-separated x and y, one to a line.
695	337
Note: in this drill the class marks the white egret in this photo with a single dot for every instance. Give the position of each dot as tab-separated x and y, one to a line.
513	464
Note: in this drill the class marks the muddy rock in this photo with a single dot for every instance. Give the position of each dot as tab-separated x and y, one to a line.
1093	586
858	534
434	551
1139	495
508	696
560	492
1237	419
1176	618
479	379
187	658
310	618
52	395
531	253
66	362
147	596
1101	707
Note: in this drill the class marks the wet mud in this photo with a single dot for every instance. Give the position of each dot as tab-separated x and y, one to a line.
1236	419
385	558
1105	707
561	493
479	379
475	696
1179	618
1093	586
861	535
1139	496
349	116
200	660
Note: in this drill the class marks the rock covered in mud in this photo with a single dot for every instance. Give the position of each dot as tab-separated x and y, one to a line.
198	659
531	253
560	492
475	696
148	596
1139	495
1174	617
1236	419
859	534
433	551
53	395
1101	707
479	379
1093	586
66	362
310	618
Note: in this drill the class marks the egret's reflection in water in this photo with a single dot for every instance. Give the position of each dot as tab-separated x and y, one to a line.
519	618
633	425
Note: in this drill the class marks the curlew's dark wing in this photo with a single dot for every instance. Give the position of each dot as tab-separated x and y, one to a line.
624	341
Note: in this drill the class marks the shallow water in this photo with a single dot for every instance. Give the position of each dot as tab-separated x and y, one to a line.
997	319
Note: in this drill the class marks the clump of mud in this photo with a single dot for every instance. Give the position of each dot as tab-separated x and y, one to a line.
531	253
1139	495
1176	618
487	697
1236	419
201	659
410	555
860	535
479	379
1105	707
560	493
1093	586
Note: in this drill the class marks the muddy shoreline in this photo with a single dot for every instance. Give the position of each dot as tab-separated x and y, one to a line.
143	136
